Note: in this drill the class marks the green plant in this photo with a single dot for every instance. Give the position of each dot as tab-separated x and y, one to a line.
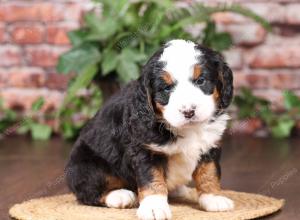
8	118
119	40
249	105
280	124
31	124
82	107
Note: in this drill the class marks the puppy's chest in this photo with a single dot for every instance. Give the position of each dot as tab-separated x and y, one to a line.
182	164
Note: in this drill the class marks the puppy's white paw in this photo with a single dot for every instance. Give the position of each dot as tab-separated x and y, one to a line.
215	203
154	207
121	198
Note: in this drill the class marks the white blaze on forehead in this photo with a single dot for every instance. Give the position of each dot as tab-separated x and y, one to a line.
180	57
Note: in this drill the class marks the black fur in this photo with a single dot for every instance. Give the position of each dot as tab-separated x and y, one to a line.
216	70
113	142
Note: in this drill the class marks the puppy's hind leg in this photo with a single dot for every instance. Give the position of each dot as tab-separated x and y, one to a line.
92	181
100	189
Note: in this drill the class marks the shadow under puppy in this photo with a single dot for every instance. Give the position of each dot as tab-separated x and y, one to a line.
156	135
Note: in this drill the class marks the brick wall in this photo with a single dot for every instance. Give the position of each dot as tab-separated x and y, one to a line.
33	34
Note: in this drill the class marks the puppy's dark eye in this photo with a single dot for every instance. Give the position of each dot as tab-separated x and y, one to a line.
200	81
168	88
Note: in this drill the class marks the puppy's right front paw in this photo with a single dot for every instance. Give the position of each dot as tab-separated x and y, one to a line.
154	207
215	203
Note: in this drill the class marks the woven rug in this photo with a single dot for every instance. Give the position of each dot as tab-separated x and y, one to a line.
65	207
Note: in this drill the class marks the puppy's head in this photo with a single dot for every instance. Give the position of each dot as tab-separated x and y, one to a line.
187	83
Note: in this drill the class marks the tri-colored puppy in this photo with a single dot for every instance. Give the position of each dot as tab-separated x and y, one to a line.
157	135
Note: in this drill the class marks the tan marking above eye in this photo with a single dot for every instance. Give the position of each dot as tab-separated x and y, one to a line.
167	78
197	71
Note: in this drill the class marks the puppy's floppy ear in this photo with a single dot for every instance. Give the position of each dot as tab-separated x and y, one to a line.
225	85
150	69
147	86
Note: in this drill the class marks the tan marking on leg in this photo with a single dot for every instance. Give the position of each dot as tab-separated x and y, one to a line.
167	78
103	198
157	186
206	179
112	183
197	71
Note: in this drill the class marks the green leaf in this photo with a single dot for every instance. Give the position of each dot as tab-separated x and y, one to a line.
101	29
81	81
109	61
266	115
79	58
283	127
133	55
77	37
221	41
127	70
218	41
23	129
38	104
69	131
291	100
40	131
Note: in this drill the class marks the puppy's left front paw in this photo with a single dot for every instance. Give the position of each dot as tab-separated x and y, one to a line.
215	203
154	207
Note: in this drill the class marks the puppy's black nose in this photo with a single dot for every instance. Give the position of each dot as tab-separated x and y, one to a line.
188	114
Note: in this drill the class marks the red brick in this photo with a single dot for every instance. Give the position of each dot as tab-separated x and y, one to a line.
228	18
234	58
239	80
57	81
285	80
10	55
32	77
255	80
292	15
44	56
274	96
3	77
2	33
26	77
24	98
73	11
39	11
275	56
27	34
246	126
271	11
242	34
14	12
57	34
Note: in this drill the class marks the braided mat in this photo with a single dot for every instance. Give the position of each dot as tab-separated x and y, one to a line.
65	207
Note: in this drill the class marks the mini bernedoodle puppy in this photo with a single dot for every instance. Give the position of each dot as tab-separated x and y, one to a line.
157	135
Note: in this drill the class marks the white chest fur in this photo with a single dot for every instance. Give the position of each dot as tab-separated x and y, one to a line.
184	154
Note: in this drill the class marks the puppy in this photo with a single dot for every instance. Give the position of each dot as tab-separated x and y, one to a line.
156	135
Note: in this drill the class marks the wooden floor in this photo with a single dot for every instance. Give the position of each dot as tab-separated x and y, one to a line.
271	167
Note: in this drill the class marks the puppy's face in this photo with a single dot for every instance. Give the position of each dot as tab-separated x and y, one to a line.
189	83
